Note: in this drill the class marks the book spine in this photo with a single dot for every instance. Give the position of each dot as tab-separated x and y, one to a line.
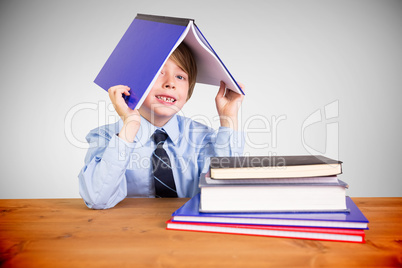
164	19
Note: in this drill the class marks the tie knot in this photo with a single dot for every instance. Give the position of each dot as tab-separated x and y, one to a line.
159	136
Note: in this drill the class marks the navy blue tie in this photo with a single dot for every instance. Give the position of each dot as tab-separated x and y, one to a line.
161	168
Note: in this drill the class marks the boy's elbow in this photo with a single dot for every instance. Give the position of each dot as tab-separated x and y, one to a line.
98	206
93	205
93	201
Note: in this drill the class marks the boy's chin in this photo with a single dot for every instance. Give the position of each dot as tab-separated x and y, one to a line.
166	110
164	113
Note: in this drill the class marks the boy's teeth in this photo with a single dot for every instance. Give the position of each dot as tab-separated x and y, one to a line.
165	99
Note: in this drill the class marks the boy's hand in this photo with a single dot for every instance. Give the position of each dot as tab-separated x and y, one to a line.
116	96
228	105
131	118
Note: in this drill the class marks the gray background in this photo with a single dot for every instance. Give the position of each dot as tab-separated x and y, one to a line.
295	58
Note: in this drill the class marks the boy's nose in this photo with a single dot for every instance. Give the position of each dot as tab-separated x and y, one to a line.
169	84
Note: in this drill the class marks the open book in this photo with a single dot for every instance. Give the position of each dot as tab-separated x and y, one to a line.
145	47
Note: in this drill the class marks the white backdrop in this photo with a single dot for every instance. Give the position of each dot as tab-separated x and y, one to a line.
321	77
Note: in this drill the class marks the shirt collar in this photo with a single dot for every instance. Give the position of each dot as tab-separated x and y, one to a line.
147	130
172	129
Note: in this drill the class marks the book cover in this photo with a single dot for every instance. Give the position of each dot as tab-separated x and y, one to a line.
326	234
273	197
352	219
249	167
145	47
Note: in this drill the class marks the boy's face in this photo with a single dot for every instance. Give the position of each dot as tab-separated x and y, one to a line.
167	96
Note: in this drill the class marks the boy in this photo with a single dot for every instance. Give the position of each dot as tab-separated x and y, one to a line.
120	164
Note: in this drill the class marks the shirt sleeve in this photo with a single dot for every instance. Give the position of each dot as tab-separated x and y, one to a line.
229	142
102	181
226	142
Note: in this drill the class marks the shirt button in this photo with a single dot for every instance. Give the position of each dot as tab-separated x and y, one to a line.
122	154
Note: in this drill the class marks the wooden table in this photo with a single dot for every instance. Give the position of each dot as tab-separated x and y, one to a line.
65	233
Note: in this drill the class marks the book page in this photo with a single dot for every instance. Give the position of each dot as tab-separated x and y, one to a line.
210	68
329	179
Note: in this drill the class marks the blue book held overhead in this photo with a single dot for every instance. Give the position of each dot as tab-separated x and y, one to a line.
146	46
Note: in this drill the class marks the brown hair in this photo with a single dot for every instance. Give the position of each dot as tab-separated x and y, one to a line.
183	57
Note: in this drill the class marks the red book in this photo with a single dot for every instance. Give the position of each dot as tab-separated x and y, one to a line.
326	234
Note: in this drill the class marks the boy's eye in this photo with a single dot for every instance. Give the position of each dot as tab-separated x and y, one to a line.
180	77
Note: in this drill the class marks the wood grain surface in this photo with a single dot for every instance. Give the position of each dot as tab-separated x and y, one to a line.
65	233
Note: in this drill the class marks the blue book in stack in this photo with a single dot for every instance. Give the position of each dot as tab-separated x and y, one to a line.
353	218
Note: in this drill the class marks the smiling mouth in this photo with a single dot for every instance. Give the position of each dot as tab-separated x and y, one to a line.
166	99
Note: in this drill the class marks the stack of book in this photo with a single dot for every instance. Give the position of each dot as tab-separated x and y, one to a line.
279	196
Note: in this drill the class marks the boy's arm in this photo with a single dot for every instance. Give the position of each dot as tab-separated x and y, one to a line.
131	118
228	141
224	142
228	104
102	180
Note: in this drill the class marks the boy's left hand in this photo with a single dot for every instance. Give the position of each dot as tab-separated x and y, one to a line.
228	105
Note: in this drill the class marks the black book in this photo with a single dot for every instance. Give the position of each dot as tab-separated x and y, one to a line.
253	167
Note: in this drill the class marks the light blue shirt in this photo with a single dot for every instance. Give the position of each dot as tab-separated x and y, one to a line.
115	169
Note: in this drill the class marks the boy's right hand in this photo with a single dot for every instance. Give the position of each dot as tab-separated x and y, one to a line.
116	96
131	118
